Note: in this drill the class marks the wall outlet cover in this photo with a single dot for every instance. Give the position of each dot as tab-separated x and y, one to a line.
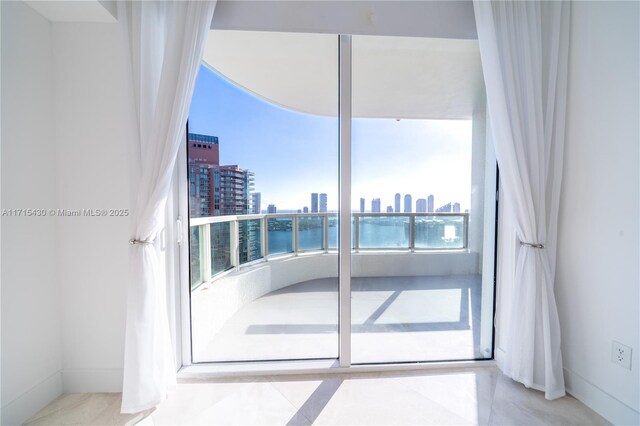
621	355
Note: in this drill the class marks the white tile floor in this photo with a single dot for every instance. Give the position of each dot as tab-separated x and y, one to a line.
461	396
394	319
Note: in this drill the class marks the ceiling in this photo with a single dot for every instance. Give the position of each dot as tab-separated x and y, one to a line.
393	77
76	10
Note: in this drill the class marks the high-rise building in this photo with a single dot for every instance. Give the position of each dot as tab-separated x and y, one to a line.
203	149
323	203
375	205
214	189
314	202
421	205
362	205
231	189
397	205
256	198
200	199
447	208
407	203
271	208
430	205
203	154
305	209
389	209
456	207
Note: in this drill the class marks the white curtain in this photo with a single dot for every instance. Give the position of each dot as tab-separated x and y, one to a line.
524	48
165	41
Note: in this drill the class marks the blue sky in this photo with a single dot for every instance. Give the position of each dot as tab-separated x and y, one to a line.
294	154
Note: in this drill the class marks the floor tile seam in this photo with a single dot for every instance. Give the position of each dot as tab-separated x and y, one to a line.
290	402
56	411
528	410
493	398
420	394
101	411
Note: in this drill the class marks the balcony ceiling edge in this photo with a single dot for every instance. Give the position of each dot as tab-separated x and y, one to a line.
393	77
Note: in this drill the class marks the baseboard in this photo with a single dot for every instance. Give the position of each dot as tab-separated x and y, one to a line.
80	380
609	407
29	403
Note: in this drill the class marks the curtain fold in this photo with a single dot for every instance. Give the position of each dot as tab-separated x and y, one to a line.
524	49
165	42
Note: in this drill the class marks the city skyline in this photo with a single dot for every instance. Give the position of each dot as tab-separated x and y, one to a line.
291	152
422	205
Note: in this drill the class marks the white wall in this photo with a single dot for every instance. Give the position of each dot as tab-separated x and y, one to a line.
31	331
597	282
94	129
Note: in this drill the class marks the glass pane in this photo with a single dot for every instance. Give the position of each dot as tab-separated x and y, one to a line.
250	241
418	167
380	232
280	234
440	232
310	233
196	264
333	232
263	171
220	234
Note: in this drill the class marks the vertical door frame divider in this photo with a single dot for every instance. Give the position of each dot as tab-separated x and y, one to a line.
344	245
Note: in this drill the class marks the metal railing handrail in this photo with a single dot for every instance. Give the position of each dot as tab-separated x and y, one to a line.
229	218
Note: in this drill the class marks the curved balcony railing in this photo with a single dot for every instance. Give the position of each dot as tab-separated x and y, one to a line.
222	243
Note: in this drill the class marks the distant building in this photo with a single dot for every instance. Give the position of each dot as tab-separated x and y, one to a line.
314	202
430	205
421	205
232	187
257	198
389	209
407	203
305	209
216	190
456	207
375	205
362	205
203	149
323	203
397	210
271	208
447	208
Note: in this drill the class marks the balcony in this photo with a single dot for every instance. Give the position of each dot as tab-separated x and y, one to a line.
265	287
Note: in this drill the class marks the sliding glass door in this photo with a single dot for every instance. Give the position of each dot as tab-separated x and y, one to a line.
293	137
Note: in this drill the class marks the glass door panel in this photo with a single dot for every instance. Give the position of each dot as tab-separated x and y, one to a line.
418	195
263	179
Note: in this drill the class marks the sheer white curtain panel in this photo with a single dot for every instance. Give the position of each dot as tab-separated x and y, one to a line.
164	41
524	48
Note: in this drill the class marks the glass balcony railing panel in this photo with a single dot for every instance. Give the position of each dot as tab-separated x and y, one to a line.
196	259
280	234
310	233
439	232
250	240
333	232
383	232
220	247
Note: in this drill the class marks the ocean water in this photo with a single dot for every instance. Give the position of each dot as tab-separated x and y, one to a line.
443	233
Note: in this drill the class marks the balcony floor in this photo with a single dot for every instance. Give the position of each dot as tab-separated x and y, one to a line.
394	319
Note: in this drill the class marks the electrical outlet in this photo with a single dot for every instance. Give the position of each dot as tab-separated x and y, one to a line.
621	355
